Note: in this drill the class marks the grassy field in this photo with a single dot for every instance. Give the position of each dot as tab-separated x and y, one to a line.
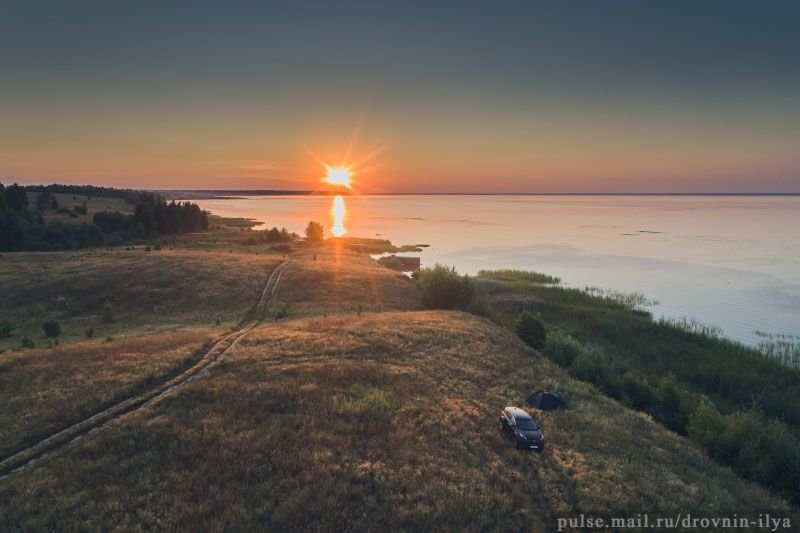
374	422
332	280
44	390
147	291
352	409
93	205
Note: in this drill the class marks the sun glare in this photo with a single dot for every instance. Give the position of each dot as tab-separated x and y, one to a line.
338	213
338	176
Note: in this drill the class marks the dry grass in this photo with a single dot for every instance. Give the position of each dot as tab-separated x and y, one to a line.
94	205
45	390
331	280
386	421
148	291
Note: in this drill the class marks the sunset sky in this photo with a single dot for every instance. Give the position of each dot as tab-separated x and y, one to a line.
504	96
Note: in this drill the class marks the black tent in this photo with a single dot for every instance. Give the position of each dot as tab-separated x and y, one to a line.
546	400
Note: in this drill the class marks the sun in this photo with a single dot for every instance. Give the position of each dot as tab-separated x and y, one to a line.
338	176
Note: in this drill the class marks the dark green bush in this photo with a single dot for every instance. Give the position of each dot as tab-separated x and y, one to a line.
5	330
706	425
28	343
89	333
281	311
108	313
637	391
588	367
764	451
531	330
442	287
674	404
561	348
51	329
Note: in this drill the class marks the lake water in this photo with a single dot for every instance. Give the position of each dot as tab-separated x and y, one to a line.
728	261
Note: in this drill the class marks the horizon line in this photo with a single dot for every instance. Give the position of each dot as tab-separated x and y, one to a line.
277	192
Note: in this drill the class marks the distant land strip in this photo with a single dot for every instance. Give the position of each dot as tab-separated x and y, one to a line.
223	194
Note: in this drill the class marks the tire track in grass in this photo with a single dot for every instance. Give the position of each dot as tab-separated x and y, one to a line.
60	440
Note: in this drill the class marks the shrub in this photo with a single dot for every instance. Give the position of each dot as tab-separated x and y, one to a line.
391	262
28	343
637	391
5	330
51	329
758	449
562	348
531	330
706	425
281	311
89	333
674	405
443	288
588	367
108	313
480	305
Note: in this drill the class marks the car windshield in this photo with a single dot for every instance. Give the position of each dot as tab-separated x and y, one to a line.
526	424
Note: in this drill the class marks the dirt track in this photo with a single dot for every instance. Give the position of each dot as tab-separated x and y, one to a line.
58	441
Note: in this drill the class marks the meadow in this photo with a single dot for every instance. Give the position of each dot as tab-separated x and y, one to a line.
387	420
350	407
146	291
47	389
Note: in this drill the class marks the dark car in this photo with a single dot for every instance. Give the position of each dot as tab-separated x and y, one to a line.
522	427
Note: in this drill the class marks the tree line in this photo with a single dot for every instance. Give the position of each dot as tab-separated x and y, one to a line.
130	196
23	227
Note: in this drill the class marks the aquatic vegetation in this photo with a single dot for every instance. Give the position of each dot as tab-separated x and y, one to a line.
629	300
781	347
692	325
519	275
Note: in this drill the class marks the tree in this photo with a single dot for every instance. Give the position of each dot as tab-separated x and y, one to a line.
531	330
111	221
12	234
315	231
274	235
16	197
43	200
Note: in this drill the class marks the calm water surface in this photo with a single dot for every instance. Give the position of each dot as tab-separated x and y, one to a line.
732	262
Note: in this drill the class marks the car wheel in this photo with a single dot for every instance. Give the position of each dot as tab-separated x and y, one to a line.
540	449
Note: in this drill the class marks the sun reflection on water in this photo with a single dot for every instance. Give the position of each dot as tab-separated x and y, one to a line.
338	214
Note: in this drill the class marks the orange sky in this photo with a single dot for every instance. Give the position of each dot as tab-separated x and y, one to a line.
529	99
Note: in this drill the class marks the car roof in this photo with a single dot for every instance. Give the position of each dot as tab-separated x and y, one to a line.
517	412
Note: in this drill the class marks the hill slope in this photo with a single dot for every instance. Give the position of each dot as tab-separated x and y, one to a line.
381	421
